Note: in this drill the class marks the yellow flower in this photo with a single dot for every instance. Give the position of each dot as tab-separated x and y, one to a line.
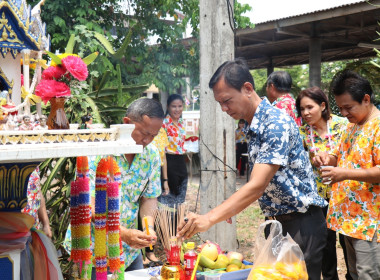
347	227
363	143
62	55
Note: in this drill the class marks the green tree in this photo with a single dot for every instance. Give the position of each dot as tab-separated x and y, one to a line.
164	61
61	16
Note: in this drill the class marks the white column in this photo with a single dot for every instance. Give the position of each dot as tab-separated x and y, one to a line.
25	63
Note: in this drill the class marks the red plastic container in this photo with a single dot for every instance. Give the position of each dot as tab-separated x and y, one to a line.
190	258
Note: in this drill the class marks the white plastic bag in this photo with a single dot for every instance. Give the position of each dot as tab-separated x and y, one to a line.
277	257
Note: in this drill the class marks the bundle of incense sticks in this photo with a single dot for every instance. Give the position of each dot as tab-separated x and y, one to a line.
166	220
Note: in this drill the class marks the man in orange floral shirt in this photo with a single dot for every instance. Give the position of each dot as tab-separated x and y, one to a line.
354	209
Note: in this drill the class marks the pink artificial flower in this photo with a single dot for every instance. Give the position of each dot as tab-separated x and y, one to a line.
53	72
47	89
22	79
76	67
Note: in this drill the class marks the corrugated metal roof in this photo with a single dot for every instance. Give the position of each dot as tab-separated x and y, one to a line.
271	10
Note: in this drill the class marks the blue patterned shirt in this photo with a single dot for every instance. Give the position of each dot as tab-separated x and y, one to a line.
141	178
275	139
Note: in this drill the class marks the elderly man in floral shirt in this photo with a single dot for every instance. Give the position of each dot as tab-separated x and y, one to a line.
282	177
140	176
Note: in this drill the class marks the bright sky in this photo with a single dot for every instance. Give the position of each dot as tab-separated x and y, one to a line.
266	10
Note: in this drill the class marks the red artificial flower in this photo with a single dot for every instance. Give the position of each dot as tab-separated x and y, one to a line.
47	89
53	72
76	67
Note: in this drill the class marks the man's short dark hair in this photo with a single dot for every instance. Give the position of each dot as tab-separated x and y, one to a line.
281	80
145	107
352	83
235	74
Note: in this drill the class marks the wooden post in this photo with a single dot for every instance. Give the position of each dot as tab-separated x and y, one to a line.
217	129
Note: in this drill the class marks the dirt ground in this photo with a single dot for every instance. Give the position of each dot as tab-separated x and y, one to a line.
247	224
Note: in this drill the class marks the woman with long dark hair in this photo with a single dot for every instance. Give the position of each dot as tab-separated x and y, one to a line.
175	152
321	132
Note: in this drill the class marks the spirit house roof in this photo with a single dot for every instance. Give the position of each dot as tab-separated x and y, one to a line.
21	28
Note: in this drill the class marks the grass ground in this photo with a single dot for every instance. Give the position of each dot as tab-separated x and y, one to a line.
248	222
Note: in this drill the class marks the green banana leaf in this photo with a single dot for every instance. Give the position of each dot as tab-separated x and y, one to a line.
54	57
70	45
90	58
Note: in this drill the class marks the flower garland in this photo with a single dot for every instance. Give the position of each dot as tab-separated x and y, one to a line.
80	212
328	136
108	181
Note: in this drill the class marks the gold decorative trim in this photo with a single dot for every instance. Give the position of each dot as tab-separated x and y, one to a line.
16	12
6	28
13	181
22	203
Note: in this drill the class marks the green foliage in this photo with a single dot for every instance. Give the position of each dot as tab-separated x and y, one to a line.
170	58
57	175
61	16
242	21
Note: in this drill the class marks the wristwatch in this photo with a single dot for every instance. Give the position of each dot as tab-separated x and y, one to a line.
164	180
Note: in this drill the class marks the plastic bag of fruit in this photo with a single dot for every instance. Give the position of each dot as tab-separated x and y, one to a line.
277	256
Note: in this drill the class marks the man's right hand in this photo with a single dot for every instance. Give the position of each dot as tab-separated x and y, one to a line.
136	238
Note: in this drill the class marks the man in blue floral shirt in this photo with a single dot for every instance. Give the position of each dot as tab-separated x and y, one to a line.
140	181
282	178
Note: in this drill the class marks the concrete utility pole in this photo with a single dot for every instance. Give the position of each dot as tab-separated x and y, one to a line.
217	129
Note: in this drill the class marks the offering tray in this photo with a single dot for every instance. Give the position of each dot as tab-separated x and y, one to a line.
37	145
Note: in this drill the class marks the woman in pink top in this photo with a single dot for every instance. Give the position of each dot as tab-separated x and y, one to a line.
175	152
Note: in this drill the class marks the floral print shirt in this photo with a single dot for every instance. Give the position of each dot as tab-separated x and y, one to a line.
33	196
336	125
241	136
141	178
161	142
176	135
287	103
354	208
275	139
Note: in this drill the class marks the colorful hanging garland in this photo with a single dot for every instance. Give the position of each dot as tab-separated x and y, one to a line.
108	181
80	212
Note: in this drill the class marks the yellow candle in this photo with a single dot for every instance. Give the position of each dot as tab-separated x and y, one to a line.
147	230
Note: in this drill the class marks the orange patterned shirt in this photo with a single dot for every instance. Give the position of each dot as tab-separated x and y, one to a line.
354	208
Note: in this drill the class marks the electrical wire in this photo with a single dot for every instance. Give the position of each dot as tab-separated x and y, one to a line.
231	19
216	157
